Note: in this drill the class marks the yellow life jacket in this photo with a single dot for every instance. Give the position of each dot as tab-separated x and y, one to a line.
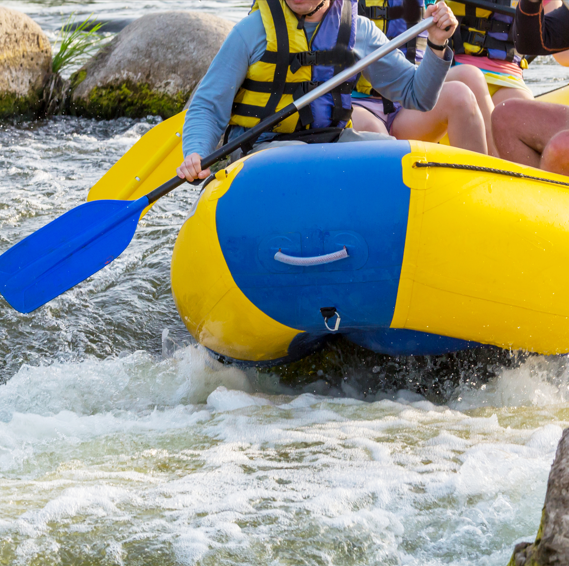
285	71
482	33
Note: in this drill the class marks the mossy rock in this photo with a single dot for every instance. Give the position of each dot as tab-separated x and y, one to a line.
127	99
551	546
19	107
151	67
25	64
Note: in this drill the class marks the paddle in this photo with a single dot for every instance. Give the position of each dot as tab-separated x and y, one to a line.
149	162
145	166
76	245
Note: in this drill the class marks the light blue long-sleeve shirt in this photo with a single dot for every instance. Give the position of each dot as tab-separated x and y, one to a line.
392	76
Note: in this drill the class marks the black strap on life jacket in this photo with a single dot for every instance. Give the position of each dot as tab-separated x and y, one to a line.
339	55
339	113
413	14
281	65
293	88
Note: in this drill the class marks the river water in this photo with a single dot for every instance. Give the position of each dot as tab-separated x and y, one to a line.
121	443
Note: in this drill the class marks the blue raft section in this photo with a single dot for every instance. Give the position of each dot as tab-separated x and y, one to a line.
311	203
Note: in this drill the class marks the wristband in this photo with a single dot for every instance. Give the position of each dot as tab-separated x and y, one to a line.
437	47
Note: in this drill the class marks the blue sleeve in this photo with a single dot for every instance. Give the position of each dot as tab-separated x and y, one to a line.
416	88
210	109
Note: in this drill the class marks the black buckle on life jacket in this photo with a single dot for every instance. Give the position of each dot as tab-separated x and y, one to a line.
304	59
339	56
475	38
378	12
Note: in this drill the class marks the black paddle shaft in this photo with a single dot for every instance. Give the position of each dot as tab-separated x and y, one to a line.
247	137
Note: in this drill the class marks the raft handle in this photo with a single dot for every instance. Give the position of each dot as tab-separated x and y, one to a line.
310	261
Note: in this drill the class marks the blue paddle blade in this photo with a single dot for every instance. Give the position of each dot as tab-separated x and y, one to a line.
67	251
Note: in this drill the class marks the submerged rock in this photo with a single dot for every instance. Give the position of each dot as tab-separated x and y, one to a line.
107	26
151	67
25	63
344	366
551	546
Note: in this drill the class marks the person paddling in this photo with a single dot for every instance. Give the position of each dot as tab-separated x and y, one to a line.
283	49
464	108
532	132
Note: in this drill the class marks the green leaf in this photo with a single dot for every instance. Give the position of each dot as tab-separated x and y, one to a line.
75	43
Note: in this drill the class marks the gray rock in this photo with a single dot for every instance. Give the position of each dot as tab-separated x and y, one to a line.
551	546
151	67
25	63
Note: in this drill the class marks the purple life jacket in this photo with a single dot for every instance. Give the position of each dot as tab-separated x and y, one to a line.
337	30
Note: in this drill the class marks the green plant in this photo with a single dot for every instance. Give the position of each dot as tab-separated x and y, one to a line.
74	42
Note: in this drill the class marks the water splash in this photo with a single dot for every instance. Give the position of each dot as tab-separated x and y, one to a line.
177	461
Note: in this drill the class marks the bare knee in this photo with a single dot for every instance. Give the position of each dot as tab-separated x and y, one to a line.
470	75
555	156
457	98
364	121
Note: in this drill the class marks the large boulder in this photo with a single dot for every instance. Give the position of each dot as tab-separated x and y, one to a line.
25	63
551	546
151	67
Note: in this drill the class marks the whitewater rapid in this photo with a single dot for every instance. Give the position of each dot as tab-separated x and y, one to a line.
135	460
124	444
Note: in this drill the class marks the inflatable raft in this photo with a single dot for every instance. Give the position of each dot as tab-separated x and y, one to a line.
402	247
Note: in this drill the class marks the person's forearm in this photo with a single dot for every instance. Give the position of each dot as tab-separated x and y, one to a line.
430	77
201	128
418	88
539	34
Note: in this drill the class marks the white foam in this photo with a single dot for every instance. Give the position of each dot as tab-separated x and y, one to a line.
223	400
539	381
125	448
132	383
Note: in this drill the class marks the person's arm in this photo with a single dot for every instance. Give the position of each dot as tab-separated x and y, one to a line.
210	110
395	78
563	57
538	34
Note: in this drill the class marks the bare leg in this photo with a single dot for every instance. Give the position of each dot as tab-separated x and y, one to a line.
474	79
456	112
555	156
523	129
364	121
504	94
